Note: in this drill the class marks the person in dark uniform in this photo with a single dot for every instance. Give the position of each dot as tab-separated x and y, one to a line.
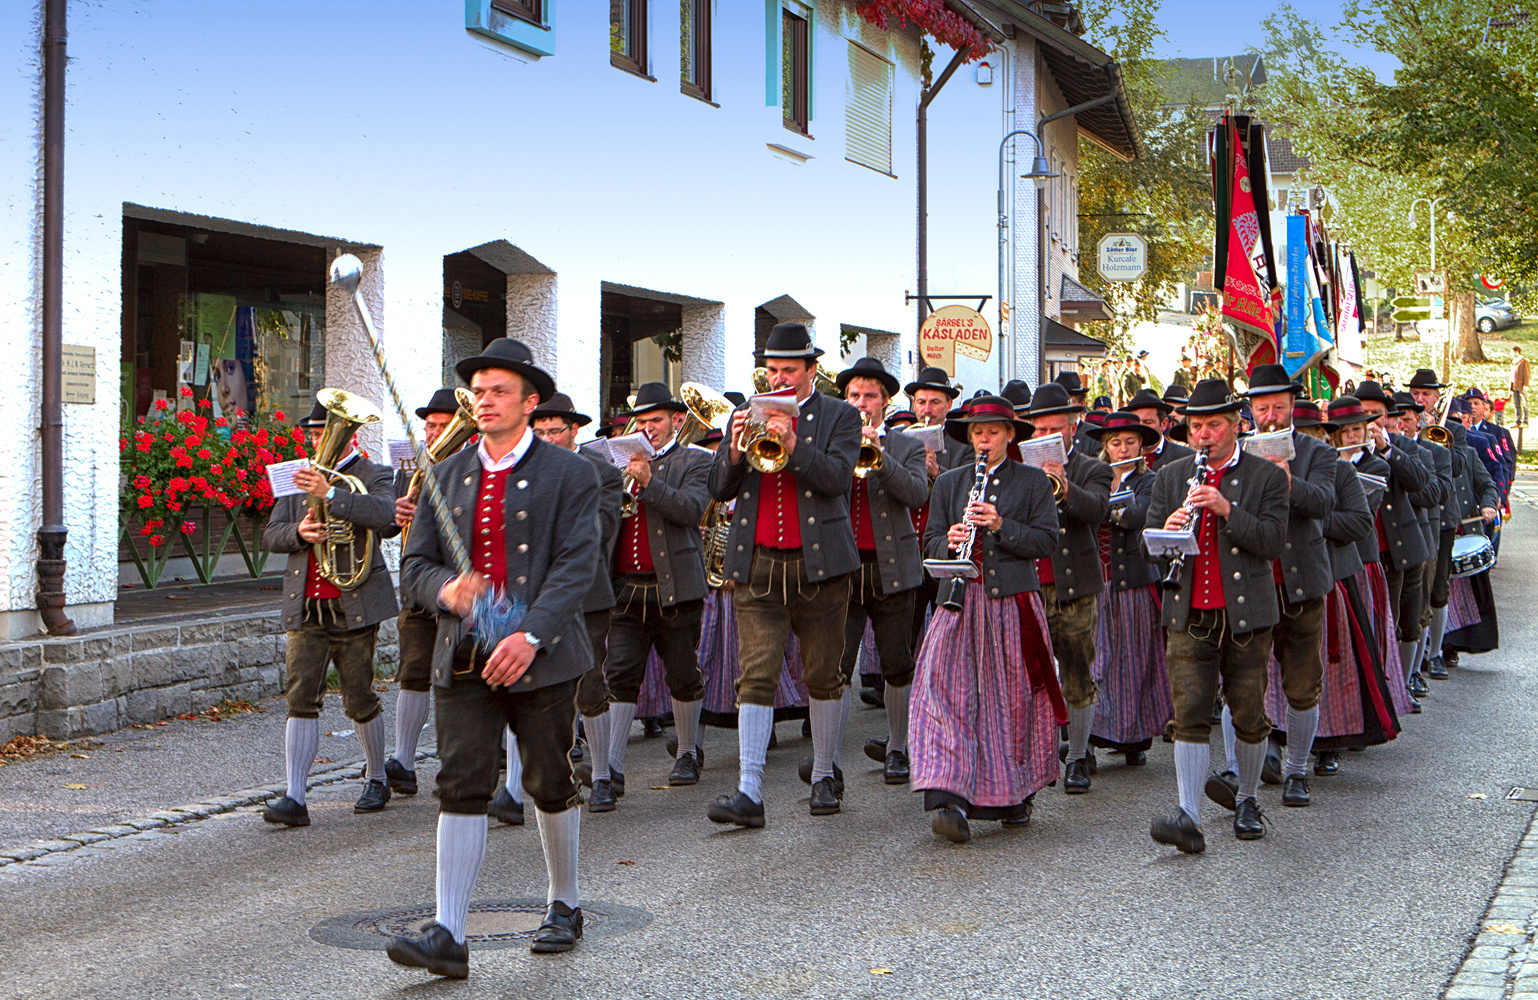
1151	413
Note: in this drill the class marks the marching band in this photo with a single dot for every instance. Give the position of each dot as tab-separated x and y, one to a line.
1031	584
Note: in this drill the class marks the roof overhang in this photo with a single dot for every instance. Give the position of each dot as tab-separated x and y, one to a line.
1061	343
1079	304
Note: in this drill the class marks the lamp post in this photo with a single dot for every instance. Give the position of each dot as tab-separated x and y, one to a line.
1431	210
1040	173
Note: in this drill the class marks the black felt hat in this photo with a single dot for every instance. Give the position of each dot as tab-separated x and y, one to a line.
868	368
1211	396
790	340
1175	393
1406	402
1120	421
1147	399
1306	413
987	410
511	355
932	378
1425	378
1096	417
317	417
736	398
443	401
1072	382
1266	379
1101	402
1052	398
653	396
901	417
1374	391
1017	392
560	405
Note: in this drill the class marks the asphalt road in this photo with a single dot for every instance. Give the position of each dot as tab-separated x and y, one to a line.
1374	891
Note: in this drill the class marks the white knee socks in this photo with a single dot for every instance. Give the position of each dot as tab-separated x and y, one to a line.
300	741
1301	727
1251	761
1229	739
686	718
1190	775
755	724
597	729
621	715
1078	731
514	765
826	714
558	834
897	717
411	709
461	849
372	737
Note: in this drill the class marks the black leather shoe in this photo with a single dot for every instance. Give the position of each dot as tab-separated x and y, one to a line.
876	750
685	771
1450	659
736	808
874	697
1179	831
1136	758
951	823
376	794
1076	777
402	781
895	770
1271	770
1089	756
1328	763
1418	686
651	728
601	798
578	750
1436	669
561	930
617	783
1023	819
1249	821
433	950
584	776
1295	791
699	751
287	812
1222	788
838	775
505	808
824	798
1415	706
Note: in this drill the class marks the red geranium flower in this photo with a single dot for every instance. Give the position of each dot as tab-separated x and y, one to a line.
187	391
157	541
146	502
161	404
278	416
205	453
188	527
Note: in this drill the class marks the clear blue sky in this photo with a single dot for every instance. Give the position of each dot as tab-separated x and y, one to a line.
1199	28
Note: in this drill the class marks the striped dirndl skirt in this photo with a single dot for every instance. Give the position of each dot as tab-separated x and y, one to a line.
1375	595
1462	607
719	667
1130	671
655	699
978	733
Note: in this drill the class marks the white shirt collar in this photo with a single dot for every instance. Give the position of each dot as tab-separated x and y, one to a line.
810	396
509	460
1232	459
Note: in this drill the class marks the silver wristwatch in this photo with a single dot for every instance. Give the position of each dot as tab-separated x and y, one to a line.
533	640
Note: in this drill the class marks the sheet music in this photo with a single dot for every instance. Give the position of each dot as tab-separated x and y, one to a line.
280	476
1272	444
1161	542
765	403
626	446
1039	451
600	447
401	455
932	438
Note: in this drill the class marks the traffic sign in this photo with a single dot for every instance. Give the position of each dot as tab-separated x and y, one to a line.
1431	282
1433	331
1411	308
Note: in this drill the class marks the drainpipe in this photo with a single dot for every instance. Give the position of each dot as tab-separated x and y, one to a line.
923	180
52	535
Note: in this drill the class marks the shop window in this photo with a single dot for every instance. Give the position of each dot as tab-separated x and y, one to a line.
627	36
796	68
694	48
642	342
868	110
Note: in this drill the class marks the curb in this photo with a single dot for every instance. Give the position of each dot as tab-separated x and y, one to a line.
181	815
1502	960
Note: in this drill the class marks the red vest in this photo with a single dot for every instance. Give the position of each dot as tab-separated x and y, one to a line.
489	544
779	513
1207	579
859	513
633	554
316	585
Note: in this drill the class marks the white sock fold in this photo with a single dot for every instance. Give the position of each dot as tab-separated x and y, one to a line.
597	729
372	737
300	741
897	717
1301	727
514	765
1079	720
558	834
826	714
411	709
1191	761
461	849
1230	738
621	715
1438	631
1251	760
755	724
686	720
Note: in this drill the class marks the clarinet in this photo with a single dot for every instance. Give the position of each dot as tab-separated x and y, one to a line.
952	589
1178	561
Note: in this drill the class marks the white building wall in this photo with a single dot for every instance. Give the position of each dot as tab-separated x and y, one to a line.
394	127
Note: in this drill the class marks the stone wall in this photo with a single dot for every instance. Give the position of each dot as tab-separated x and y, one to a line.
68	688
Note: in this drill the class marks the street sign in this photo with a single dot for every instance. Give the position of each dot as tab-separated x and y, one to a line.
1433	331
950	329
1122	256
1431	282
1411	308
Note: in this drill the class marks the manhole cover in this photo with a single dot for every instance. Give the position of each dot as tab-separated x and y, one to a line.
496	923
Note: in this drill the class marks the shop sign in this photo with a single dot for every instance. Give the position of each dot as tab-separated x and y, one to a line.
79	374
1123	257
950	330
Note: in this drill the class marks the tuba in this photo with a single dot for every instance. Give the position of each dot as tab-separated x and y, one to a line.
709	410
336	558
459	430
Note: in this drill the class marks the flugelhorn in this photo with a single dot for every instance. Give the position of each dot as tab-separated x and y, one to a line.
872	456
336	558
452	438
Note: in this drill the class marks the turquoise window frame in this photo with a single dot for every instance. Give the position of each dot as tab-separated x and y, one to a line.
501	27
772	47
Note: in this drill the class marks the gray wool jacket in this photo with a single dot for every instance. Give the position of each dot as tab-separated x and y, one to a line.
1305	556
1076	556
674	501
1367	547
901	484
1023	496
1349	523
600	596
1410	491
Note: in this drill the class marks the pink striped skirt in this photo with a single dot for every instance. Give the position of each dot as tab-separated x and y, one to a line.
978	732
1130	671
719	668
1462	608
1379	608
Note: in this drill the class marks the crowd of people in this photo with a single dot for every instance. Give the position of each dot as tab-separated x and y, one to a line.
1025	578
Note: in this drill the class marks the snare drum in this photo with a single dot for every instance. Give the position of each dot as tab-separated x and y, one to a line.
1472	554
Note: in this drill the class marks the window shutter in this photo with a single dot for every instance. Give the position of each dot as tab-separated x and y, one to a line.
868	110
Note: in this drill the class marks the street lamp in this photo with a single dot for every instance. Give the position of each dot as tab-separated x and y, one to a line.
1431	209
1040	173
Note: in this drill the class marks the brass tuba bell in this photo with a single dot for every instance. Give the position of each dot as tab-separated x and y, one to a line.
453	437
336	558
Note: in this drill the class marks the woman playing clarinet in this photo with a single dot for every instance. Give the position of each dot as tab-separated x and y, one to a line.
985	701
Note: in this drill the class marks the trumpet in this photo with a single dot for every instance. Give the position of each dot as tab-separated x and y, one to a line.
1059	487
459	430
872	456
764	451
336	560
1438	433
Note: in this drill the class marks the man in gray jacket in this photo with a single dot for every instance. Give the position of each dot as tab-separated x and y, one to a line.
789	553
327	625
881	502
527	512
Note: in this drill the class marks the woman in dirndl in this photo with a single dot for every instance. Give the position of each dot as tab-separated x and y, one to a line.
985	703
1129	668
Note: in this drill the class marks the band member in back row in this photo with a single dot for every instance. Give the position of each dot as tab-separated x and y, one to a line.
1221	613
789	553
528	513
1302	579
882	498
986	705
1151	412
1070	576
1078	395
1437	461
556	421
329	626
1427	391
415	626
659	584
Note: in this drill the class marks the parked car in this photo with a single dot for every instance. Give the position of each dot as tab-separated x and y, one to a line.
1495	314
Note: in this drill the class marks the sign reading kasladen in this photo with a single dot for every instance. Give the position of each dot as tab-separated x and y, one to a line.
950	329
